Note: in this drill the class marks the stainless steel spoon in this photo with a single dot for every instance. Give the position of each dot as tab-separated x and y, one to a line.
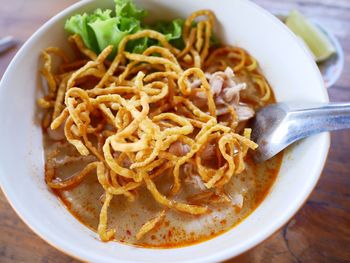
279	125
6	43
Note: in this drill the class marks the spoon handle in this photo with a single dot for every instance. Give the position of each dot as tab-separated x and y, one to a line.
6	43
319	118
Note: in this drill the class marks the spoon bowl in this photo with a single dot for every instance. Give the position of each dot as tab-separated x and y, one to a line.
277	126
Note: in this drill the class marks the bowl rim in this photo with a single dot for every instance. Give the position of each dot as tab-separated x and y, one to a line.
219	255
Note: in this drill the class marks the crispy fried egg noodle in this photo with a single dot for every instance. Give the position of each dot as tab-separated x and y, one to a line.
139	107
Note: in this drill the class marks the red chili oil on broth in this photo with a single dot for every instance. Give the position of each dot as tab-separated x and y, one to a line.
178	229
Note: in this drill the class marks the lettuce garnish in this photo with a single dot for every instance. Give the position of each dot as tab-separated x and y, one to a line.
106	27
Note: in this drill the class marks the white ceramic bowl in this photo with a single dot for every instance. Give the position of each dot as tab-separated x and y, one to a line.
287	66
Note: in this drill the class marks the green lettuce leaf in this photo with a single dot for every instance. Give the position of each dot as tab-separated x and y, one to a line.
113	30
79	24
100	29
138	45
172	31
126	8
105	27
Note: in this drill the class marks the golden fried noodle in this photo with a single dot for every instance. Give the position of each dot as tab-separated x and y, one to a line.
144	114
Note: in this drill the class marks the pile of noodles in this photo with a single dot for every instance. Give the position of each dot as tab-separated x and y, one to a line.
129	112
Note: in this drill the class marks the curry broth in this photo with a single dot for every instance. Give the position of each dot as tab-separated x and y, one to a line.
178	229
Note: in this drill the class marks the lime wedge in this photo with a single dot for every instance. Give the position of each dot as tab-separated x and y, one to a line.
315	39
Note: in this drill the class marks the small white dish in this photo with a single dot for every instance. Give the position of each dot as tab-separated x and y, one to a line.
286	64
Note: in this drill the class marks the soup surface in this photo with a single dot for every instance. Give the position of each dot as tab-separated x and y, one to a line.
247	190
